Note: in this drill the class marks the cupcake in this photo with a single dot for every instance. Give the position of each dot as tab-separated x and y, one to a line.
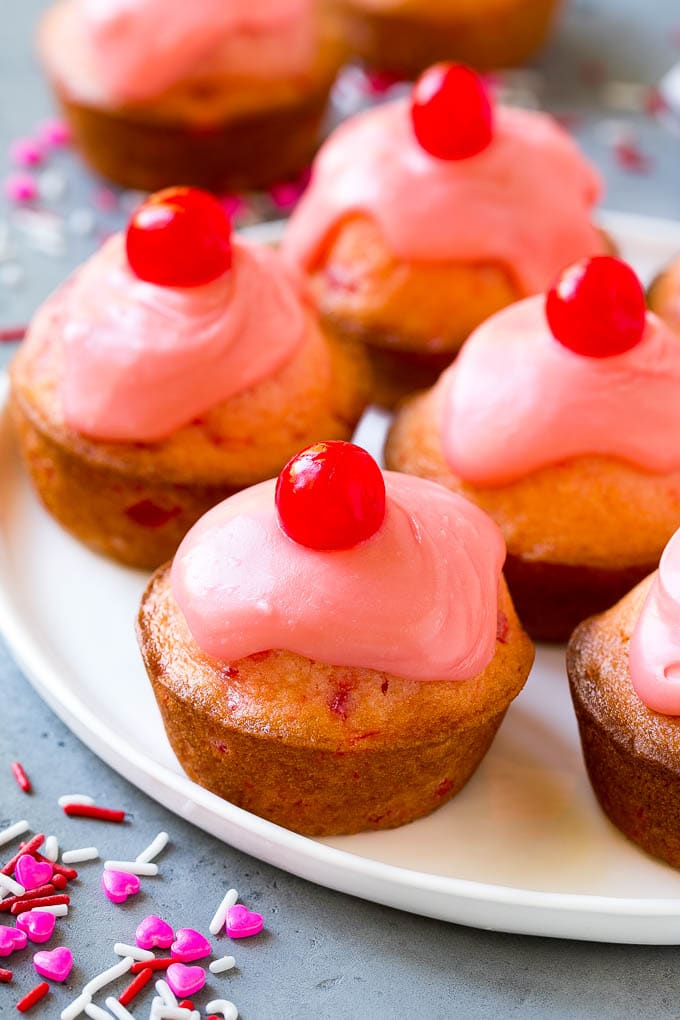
405	36
663	296
559	420
334	651
427	214
178	365
623	670
222	94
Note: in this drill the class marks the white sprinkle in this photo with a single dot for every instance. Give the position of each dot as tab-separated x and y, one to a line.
143	955
161	1011
132	867
118	1010
166	993
51	850
76	1008
96	1012
220	917
12	831
74	798
223	1006
154	848
224	963
107	976
59	910
85	853
15	888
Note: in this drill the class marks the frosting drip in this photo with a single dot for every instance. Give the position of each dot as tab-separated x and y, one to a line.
500	206
419	599
516	400
141	360
654	653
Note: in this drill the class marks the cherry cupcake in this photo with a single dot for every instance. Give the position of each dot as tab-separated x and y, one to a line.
405	36
559	419
623	670
178	365
663	296
427	214
223	94
334	651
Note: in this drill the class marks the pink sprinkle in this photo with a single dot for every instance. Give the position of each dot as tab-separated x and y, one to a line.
26	152
629	156
54	133
654	102
21	188
287	194
105	199
233	205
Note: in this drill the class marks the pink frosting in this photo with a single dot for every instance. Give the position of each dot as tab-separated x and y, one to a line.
516	400
140	48
655	644
501	206
141	360
419	599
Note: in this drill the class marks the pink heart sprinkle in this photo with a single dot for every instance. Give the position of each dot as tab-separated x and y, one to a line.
118	885
241	922
38	924
190	945
11	939
185	981
31	873
153	932
54	964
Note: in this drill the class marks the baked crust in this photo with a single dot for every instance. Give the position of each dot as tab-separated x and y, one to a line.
663	296
631	753
323	749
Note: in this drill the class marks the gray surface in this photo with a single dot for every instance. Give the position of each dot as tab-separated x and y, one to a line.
327	955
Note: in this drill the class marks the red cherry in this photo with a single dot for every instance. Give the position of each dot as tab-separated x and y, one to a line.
451	112
179	237
331	496
597	307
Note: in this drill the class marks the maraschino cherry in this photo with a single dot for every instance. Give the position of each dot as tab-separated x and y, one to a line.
451	112
597	307
179	237
331	496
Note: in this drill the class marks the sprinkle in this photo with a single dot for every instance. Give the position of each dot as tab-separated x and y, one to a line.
186	1004
117	1009
51	849
96	1012
160	963
74	798
47	889
5	975
132	867
107	976
161	1011
14	887
166	993
38	993
23	782
135	987
93	811
220	917
223	1006
12	333
105	199
21	187
86	853
122	949
76	1007
12	831
21	906
24	848
26	152
224	963
154	848
54	133
59	910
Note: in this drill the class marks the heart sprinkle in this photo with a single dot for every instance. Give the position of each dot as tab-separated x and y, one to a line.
184	980
118	885
190	945
31	873
154	933
54	964
11	940
37	924
242	923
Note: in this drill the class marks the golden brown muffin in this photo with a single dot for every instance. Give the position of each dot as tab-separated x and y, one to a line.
632	754
211	130
663	296
405	36
322	749
135	501
579	534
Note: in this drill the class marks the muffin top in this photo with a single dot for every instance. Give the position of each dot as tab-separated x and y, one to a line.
654	655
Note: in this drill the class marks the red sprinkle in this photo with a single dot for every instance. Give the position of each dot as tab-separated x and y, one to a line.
25	848
38	993
160	963
186	1004
12	333
135	987
23	782
93	811
42	901
6	975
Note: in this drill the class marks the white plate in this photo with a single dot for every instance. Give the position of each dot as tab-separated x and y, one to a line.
524	848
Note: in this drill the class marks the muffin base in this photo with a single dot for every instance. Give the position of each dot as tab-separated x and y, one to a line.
406	44
319	749
631	753
252	151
